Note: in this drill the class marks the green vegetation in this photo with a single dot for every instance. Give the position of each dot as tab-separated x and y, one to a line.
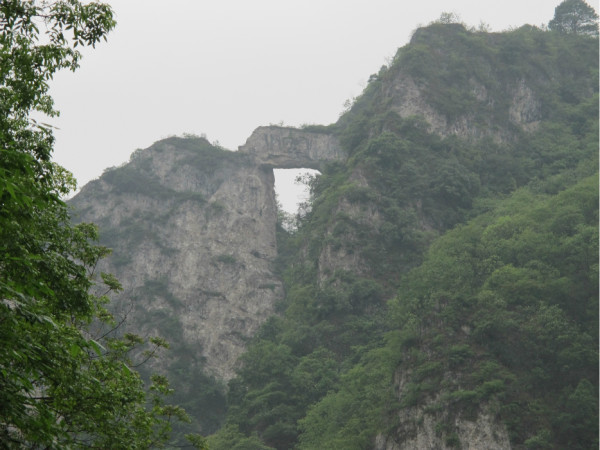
66	381
503	311
485	242
432	274
575	16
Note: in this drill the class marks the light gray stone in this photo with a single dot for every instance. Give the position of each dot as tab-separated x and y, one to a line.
288	148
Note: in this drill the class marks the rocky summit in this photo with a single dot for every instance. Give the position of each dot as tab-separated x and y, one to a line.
192	228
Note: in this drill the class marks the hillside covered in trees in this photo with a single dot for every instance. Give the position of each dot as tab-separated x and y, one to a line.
438	290
470	234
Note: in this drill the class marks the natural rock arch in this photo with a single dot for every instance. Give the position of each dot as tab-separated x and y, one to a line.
290	148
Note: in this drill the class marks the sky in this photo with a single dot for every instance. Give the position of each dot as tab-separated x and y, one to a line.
221	68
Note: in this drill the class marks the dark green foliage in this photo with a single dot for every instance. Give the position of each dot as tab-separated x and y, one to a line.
508	340
501	311
348	417
230	438
65	380
575	16
201	395
529	297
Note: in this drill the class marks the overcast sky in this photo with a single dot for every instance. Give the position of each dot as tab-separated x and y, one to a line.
224	67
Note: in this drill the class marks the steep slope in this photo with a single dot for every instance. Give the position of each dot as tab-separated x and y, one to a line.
458	122
463	128
192	228
192	232
503	314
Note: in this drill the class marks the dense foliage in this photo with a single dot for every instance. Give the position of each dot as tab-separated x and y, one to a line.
575	16
502	313
64	381
498	316
515	290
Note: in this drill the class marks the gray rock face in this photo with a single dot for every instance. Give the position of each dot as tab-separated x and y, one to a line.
193	238
192	230
484	432
523	109
288	148
427	427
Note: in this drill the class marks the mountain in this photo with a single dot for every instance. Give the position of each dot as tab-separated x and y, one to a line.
192	228
440	291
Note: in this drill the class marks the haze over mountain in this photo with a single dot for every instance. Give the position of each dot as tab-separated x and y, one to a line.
439	291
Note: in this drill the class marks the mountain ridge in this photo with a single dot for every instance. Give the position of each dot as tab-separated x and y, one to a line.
298	322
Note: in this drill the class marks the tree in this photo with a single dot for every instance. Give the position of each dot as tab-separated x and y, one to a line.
449	17
61	385
575	17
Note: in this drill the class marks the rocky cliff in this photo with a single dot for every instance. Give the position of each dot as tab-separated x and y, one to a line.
289	148
483	431
457	122
192	228
488	91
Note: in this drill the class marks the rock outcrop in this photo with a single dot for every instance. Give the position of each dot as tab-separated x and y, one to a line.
429	426
288	148
490	95
483	431
192	230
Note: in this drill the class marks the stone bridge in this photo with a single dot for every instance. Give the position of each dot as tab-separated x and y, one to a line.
289	148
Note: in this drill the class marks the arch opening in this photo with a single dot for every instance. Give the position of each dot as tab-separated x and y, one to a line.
290	192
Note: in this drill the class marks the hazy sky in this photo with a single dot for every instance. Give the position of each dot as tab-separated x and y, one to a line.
225	67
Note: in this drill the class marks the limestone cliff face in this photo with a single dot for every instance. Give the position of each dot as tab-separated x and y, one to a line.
192	229
493	96
288	148
523	109
428	426
483	431
193	238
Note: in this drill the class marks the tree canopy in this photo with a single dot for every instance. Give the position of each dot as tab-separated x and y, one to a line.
65	381
575	16
484	246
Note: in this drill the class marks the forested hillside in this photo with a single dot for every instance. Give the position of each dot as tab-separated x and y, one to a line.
447	273
438	290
